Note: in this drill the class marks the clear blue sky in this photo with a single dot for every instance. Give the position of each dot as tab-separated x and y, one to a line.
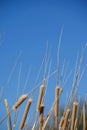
27	26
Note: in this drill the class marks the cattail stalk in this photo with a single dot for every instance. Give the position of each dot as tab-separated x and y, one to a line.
25	113
8	113
74	111
34	126
41	117
57	92
20	101
45	122
61	122
40	97
66	119
56	100
48	116
75	127
84	117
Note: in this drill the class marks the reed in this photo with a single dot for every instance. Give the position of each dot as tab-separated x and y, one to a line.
57	90
45	122
34	126
84	117
47	117
20	101
61	122
9	117
71	118
74	111
25	113
40	97
41	117
65	125
75	127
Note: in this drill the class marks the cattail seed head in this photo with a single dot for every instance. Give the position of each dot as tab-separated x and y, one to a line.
25	113
20	101
74	111
66	119
61	122
57	90
84	117
9	116
40	97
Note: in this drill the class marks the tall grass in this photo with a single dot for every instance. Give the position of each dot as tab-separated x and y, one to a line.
72	117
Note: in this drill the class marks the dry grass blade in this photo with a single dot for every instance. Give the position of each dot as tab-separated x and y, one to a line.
75	127
17	111
45	122
8	113
58	56
48	116
5	87
34	126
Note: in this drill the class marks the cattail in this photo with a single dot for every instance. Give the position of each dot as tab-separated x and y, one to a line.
25	113
56	107
75	127
20	101
66	119
84	117
8	113
57	90
74	111
41	116
40	97
61	122
86	121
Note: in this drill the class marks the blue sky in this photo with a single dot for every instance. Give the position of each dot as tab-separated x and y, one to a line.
26	27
